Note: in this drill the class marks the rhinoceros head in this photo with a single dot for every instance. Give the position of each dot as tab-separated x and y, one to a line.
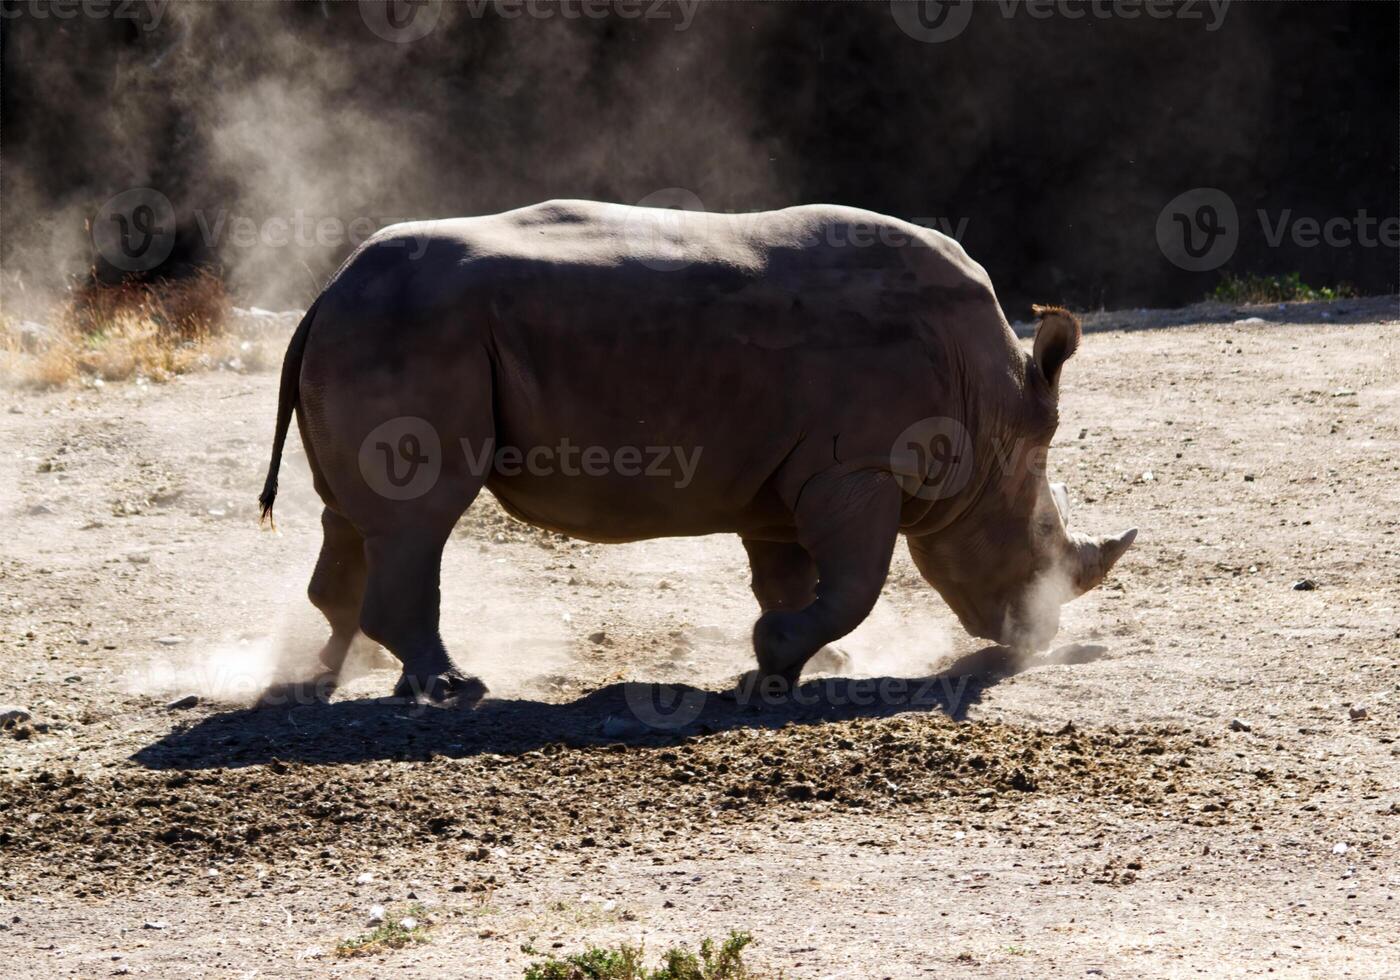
1007	565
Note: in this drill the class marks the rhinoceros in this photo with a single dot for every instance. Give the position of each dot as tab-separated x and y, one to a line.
823	378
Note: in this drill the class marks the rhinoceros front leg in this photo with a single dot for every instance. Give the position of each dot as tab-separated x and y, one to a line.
784	575
847	523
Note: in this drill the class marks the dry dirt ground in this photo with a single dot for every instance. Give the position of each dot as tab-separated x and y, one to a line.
1181	792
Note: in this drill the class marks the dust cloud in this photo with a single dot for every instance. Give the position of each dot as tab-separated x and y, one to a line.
284	135
516	641
499	626
891	642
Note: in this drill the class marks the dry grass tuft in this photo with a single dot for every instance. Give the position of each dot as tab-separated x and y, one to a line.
153	330
190	309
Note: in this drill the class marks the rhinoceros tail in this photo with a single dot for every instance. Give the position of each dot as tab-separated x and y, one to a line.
286	405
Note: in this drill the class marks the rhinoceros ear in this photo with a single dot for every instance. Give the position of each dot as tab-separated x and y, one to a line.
1056	340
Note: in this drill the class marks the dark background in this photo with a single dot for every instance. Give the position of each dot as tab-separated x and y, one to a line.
1057	141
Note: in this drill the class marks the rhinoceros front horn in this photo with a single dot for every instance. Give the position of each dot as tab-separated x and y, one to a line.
1097	555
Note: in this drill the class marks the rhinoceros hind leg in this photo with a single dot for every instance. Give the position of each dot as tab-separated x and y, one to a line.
848	524
337	588
401	611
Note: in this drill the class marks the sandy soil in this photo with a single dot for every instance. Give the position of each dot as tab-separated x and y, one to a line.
1181	791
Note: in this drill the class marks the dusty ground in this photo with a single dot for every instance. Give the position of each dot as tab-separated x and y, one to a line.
1090	812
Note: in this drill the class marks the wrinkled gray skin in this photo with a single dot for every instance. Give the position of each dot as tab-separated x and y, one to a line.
792	349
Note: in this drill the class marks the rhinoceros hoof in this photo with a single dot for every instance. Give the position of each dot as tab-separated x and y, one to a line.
447	688
782	644
290	694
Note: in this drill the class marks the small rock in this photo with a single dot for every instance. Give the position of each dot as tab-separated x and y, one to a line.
157	924
1358	712
1339	848
408	923
1249	478
376	915
35	337
1240	725
365	878
610	905
169	641
1304	585
12	715
180	704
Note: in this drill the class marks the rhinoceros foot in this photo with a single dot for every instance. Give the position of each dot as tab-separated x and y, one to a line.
449	687
783	643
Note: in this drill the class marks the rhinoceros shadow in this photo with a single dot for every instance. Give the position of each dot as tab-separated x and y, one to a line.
365	730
